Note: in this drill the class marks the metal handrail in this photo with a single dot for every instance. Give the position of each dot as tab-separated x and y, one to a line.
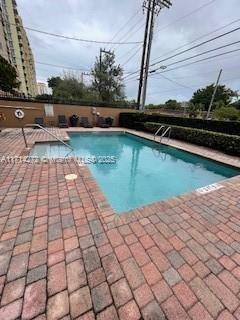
169	129
157	132
44	129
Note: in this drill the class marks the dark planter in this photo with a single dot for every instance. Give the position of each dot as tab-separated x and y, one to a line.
74	120
109	121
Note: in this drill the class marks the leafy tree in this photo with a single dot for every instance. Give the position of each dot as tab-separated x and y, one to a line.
8	76
194	110
54	82
108	79
68	87
236	104
204	95
226	113
173	104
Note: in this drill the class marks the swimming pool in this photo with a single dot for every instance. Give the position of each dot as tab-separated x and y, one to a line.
144	171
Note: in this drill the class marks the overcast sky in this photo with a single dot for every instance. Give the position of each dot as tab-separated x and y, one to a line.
103	19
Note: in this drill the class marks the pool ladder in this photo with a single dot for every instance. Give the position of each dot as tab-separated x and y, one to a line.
165	130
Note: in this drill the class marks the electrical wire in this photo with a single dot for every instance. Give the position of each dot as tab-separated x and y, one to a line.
124	25
197	61
194	47
187	64
74	38
176	82
199	38
187	15
197	46
197	55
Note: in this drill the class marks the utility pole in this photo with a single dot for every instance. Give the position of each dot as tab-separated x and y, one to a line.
153	9
214	94
148	54
143	55
100	66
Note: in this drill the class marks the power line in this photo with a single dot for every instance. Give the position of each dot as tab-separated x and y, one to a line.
197	55
197	61
187	15
194	47
176	82
60	66
132	56
130	33
194	86
124	25
188	64
74	38
197	45
196	39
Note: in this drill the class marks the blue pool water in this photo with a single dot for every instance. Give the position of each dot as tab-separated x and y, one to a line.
145	172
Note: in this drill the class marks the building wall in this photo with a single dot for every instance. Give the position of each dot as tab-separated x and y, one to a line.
3	43
42	88
33	110
6	31
19	51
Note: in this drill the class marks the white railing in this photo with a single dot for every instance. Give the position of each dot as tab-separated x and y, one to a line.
162	127
47	131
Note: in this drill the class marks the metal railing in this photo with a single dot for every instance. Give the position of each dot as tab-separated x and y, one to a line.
157	132
168	130
162	127
47	131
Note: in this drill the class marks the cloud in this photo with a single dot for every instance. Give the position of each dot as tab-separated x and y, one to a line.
102	20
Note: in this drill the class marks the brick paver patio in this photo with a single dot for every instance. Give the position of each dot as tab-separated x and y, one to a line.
64	254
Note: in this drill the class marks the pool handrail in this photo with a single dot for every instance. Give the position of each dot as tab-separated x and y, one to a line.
44	129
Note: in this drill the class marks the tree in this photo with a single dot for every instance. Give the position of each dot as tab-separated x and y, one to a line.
108	79
226	113
194	110
204	96
173	104
53	83
68	87
8	76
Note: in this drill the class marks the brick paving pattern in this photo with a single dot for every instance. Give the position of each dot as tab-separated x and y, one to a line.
64	254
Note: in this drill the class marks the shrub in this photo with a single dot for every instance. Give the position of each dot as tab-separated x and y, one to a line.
227	113
227	143
228	127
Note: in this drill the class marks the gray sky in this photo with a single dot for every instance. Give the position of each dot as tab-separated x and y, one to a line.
102	19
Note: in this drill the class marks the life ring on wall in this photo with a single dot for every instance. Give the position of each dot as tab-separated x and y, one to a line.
19	114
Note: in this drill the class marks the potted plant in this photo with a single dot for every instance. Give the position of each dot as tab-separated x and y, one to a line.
109	121
74	120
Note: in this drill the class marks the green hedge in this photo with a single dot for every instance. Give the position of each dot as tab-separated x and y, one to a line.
132	120
227	143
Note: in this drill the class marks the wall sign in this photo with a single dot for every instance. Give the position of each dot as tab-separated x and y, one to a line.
49	112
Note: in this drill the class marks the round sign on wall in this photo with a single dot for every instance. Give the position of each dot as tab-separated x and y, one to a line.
19	114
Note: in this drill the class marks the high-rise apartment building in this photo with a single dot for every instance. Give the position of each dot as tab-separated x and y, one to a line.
42	88
15	48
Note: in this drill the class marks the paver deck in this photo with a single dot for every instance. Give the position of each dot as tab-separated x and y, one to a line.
64	254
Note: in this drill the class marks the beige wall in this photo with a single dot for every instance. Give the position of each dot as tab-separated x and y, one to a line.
3	43
33	110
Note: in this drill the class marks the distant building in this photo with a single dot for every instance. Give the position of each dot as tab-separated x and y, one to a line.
42	88
15	47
